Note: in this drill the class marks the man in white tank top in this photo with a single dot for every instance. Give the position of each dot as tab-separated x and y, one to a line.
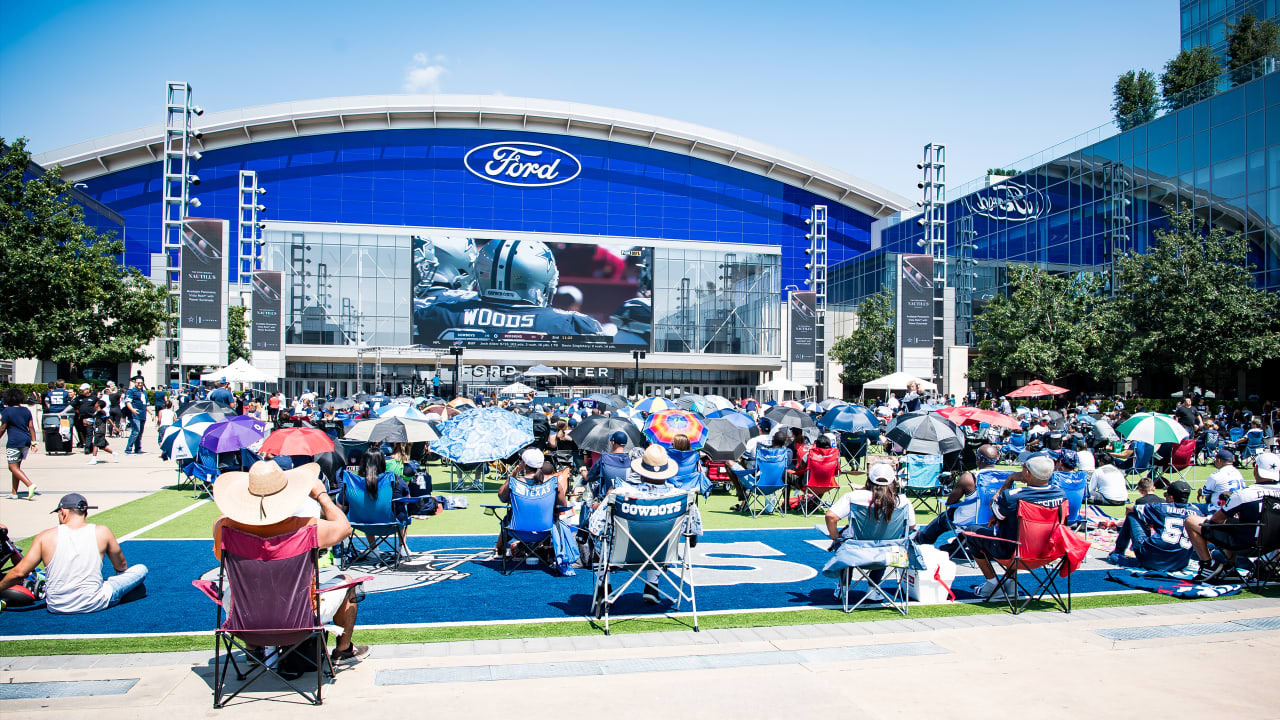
72	556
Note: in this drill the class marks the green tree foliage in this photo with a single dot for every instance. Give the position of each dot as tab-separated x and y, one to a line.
867	352
1248	41
1002	171
1185	77
1049	326
1192	304
1135	99
64	296
237	333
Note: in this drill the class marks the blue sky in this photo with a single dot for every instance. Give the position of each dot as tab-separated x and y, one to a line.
860	86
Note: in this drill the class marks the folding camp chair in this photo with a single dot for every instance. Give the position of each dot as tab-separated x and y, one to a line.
467	477
646	534
764	487
1252	446
1016	446
1265	551
952	533
1182	459
821	483
527	522
375	527
1038	552
1142	465
1211	443
883	547
266	595
853	450
689	477
1075	485
202	478
923	481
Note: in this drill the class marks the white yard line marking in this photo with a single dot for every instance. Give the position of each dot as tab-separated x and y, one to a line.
162	521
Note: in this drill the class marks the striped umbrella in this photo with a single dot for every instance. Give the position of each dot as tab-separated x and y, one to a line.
1152	428
401	411
654	405
663	428
791	404
182	440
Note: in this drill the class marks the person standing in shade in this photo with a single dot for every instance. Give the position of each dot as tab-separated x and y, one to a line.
84	405
135	399
18	427
222	395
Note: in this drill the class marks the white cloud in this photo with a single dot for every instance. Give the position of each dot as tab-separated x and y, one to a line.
423	76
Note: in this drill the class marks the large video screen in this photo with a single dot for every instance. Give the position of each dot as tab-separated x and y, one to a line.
521	294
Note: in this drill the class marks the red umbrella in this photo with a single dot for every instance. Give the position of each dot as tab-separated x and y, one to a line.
973	416
1035	388
297	441
791	404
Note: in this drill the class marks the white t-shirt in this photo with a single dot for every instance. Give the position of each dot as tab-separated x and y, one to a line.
1108	483
1086	461
862	497
1226	480
167	417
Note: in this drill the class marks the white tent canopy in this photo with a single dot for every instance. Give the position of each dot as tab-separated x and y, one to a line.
239	371
898	381
782	384
517	389
541	371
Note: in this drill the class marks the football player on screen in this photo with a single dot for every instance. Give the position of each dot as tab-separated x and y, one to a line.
441	264
516	281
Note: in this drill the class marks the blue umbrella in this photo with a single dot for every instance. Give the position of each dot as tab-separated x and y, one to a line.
233	433
401	411
483	435
654	404
609	400
849	418
182	440
737	417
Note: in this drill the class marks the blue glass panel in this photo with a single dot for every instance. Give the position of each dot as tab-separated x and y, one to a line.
1228	140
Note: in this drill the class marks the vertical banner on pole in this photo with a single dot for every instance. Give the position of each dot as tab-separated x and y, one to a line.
202	325
915	315
801	353
267	331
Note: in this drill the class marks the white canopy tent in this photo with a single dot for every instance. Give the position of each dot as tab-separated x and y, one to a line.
897	381
782	384
516	389
239	371
541	371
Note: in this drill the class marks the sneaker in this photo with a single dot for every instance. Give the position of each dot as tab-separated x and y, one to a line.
875	596
989	590
1114	558
353	653
11	496
31	491
92	461
651	594
1209	573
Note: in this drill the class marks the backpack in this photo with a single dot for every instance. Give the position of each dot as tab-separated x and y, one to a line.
541	431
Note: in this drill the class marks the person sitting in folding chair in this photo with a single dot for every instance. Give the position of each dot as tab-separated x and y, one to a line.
882	500
610	468
372	514
761	491
820	469
1225	480
1244	508
1157	532
267	502
652	469
1036	473
961	509
534	499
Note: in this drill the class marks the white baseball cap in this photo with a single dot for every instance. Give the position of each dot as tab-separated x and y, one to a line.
1268	465
880	474
85	386
532	458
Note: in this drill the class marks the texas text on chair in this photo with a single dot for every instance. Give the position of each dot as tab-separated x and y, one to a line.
527	523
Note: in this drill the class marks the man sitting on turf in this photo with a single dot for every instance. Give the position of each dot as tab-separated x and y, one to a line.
1243	507
1157	532
1036	472
72	557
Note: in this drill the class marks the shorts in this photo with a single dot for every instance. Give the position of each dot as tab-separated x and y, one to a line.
988	546
329	604
15	454
1227	537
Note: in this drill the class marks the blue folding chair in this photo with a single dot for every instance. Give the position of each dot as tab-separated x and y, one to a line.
527	523
690	476
202	478
1075	485
1143	454
1253	445
764	488
1016	446
877	551
952	533
989	482
374	522
646	535
1236	434
1211	443
923	480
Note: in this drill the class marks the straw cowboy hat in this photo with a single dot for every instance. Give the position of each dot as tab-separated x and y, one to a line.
266	494
655	464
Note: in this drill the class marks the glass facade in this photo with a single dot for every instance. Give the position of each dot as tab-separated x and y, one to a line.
712	301
1204	22
1220	156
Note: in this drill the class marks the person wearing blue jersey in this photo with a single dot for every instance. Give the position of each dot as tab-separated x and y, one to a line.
1036	472
1157	532
1233	527
516	281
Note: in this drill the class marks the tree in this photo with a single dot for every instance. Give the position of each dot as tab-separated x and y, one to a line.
867	352
1135	99
64	295
1192	304
1049	326
237	333
1185	77
1247	42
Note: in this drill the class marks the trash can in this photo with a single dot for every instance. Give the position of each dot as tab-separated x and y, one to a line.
57	431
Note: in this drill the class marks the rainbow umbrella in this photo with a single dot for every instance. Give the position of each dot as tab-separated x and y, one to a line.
663	427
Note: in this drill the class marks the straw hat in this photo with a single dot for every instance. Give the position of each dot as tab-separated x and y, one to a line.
266	494
655	464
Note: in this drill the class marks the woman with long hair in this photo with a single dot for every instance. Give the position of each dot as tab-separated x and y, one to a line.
881	498
372	467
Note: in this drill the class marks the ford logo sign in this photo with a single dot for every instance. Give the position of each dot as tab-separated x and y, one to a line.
1008	201
522	164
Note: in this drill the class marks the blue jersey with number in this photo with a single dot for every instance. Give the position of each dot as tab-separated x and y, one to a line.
467	311
1167	548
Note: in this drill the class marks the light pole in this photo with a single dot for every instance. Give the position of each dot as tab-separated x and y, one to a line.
456	352
637	355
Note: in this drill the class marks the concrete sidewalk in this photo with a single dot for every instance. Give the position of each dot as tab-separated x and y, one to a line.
1114	661
106	485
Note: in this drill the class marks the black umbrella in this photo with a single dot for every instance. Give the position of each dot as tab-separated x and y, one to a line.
341	404
592	434
830	403
619	401
790	417
217	410
926	433
725	440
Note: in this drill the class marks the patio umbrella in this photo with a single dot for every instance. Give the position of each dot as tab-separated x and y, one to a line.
725	440
401	411
443	411
592	434
926	433
181	440
654	404
392	430
832	402
794	405
663	427
737	417
789	416
850	419
1152	428
459	402
217	410
297	441
975	416
813	407
483	435
718	402
1036	388
233	434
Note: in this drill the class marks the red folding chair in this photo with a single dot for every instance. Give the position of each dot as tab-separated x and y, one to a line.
1182	459
1046	550
823	465
719	475
267	597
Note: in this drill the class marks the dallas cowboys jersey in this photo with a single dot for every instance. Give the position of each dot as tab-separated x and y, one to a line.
458	314
1167	547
